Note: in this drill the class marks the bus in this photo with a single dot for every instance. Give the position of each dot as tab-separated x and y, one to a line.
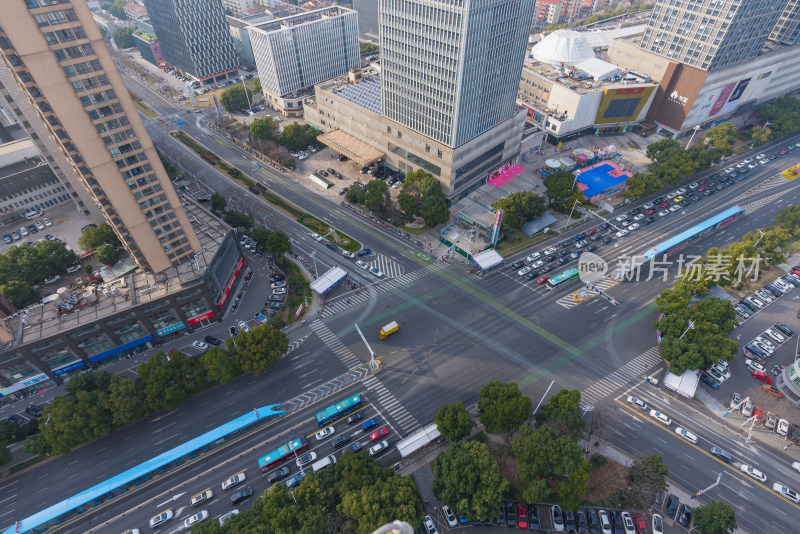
563	278
692	233
266	462
334	412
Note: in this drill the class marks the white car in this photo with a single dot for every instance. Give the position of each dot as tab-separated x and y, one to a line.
379	448
623	217
724	370
243	326
316	236
658	524
534	256
675	207
685	434
753	472
633	227
761	156
200	345
672	195
235	479
537	264
752	166
158	520
277	284
681	191
637	402
765	342
549	251
605	524
47	222
663	213
639	217
754	365
362	265
580	244
782	427
785	492
796	466
450	516
375	271
523	271
348	254
279	291
775	335
661	417
648	206
627	522
325	433
695	185
748	160
741	164
622	233
430	528
196	518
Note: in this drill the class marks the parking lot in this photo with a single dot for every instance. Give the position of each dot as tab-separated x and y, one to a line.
66	221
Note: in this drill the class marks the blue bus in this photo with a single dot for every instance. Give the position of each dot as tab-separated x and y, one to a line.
266	462
562	278
695	232
334	412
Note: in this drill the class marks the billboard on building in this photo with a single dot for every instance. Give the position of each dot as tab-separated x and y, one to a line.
721	99
676	95
736	94
622	104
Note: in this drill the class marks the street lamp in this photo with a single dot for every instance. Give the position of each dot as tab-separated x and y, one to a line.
696	129
762	131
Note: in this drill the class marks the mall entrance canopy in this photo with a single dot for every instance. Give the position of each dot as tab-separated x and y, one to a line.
353	148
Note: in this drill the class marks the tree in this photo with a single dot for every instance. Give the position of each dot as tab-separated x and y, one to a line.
503	407
92	237
562	413
126	400
238	219
298	136
278	243
276	508
19	294
783	115
234	99
263	128
124	37
647	477
408	205
537	491
542	453
258	349
165	380
468	479
220	365
519	208
76	419
107	255
723	137
715	518
435	211
381	502
561	193
429	195
377	195
116	9
355	194
218	203
453	421
572	491
37	444
260	235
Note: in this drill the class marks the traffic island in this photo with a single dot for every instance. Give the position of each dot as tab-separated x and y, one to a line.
329	232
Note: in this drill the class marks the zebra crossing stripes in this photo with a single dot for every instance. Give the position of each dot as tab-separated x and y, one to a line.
761	202
334	343
571	300
622	376
392	269
388	403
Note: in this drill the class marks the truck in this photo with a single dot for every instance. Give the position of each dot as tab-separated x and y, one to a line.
388	330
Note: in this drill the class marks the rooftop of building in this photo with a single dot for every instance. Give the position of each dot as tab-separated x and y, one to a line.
361	87
249	19
146	37
10	130
303	18
568	47
69	308
24	166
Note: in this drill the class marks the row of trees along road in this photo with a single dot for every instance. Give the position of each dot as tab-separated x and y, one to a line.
274	241
95	405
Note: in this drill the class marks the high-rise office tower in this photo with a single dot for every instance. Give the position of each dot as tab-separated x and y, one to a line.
368	19
450	68
194	36
788	27
710	34
59	59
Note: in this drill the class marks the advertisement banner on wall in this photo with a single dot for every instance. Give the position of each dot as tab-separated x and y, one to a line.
170	329
723	96
28	382
230	283
737	93
199	318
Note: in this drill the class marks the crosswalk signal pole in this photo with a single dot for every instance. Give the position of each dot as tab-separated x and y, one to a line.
372	361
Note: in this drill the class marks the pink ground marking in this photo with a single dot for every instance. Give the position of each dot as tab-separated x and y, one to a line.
506	176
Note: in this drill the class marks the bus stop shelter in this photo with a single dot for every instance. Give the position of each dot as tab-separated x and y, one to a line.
328	281
488	259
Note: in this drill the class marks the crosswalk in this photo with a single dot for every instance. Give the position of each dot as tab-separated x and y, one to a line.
389	267
388	404
578	295
752	206
633	369
339	304
327	336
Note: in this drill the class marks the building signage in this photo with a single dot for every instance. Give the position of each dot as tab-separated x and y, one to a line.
230	283
171	328
24	384
631	91
199	318
764	75
723	97
737	93
675	98
70	367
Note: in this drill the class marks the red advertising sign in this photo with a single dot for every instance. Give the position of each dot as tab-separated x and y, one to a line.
203	317
230	283
723	96
630	91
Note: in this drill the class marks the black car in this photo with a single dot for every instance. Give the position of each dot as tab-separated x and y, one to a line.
517	265
16	419
331	246
34	410
569	520
616	522
672	505
355	447
649	220
581	520
547	268
276	278
635	211
606	240
511	514
695	198
501	517
278	474
355	418
604	226
211	340
563	252
565	243
685	515
233	331
594	522
533	517
562	261
591	247
242	495
531	275
549	258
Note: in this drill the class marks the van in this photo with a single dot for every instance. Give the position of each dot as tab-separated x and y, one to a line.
369	424
754	352
325	462
341	439
721	454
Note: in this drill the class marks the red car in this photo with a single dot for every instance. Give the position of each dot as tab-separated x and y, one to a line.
641	526
666	204
651	211
762	376
378	434
701	189
783	152
543	279
522	516
591	231
703	181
